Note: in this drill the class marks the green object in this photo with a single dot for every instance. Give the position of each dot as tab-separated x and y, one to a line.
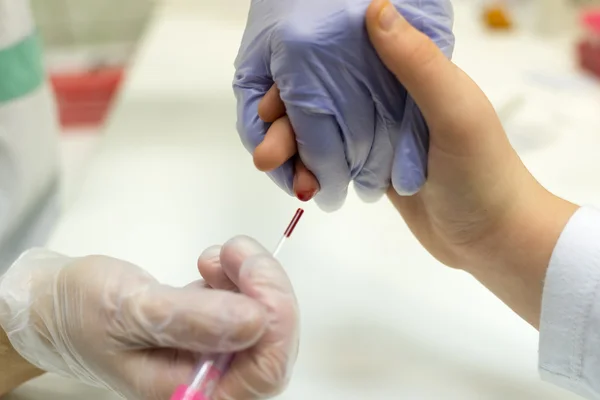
21	69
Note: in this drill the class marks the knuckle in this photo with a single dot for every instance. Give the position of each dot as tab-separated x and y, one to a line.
250	326
134	314
335	25
295	38
266	274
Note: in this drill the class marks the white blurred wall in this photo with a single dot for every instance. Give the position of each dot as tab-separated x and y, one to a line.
85	33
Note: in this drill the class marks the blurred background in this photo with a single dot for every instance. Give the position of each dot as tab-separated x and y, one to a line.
90	43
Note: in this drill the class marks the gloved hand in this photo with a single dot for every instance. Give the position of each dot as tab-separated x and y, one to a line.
352	119
110	324
263	370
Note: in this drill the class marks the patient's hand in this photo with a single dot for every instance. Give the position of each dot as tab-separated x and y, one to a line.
279	145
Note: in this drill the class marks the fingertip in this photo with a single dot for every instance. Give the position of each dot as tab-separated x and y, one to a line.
382	18
407	183
209	258
409	171
242	244
262	159
210	252
406	190
264	111
373	11
367	194
209	266
235	251
330	204
269	113
306	185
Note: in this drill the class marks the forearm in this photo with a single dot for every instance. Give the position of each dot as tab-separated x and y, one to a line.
14	370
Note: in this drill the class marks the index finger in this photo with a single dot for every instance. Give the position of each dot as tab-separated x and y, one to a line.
264	369
270	108
278	146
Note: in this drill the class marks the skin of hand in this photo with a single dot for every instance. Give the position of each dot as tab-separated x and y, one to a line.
108	323
279	145
480	209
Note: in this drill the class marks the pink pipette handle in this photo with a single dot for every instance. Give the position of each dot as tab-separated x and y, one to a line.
183	392
210	370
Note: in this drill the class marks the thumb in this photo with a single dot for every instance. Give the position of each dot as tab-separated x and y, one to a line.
415	59
449	100
190	318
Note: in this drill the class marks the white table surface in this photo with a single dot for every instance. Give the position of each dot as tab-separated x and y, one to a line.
381	319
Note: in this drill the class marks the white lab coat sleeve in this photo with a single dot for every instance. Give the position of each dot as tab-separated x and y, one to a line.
569	352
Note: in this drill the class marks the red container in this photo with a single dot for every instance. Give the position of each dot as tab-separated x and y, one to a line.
84	99
589	47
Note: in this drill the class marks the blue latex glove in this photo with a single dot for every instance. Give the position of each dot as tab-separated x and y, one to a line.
353	120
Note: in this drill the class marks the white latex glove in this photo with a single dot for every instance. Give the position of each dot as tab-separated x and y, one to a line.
110	324
263	370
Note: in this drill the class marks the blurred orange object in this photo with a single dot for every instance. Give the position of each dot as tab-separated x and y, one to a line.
85	98
496	16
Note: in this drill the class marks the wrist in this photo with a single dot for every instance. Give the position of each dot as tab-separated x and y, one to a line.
515	262
24	296
530	232
14	369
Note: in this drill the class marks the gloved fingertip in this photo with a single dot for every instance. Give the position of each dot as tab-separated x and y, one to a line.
236	251
407	186
210	252
244	244
209	261
327	205
407	193
409	171
209	266
368	195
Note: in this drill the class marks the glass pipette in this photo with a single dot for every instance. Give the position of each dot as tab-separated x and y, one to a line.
211	367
